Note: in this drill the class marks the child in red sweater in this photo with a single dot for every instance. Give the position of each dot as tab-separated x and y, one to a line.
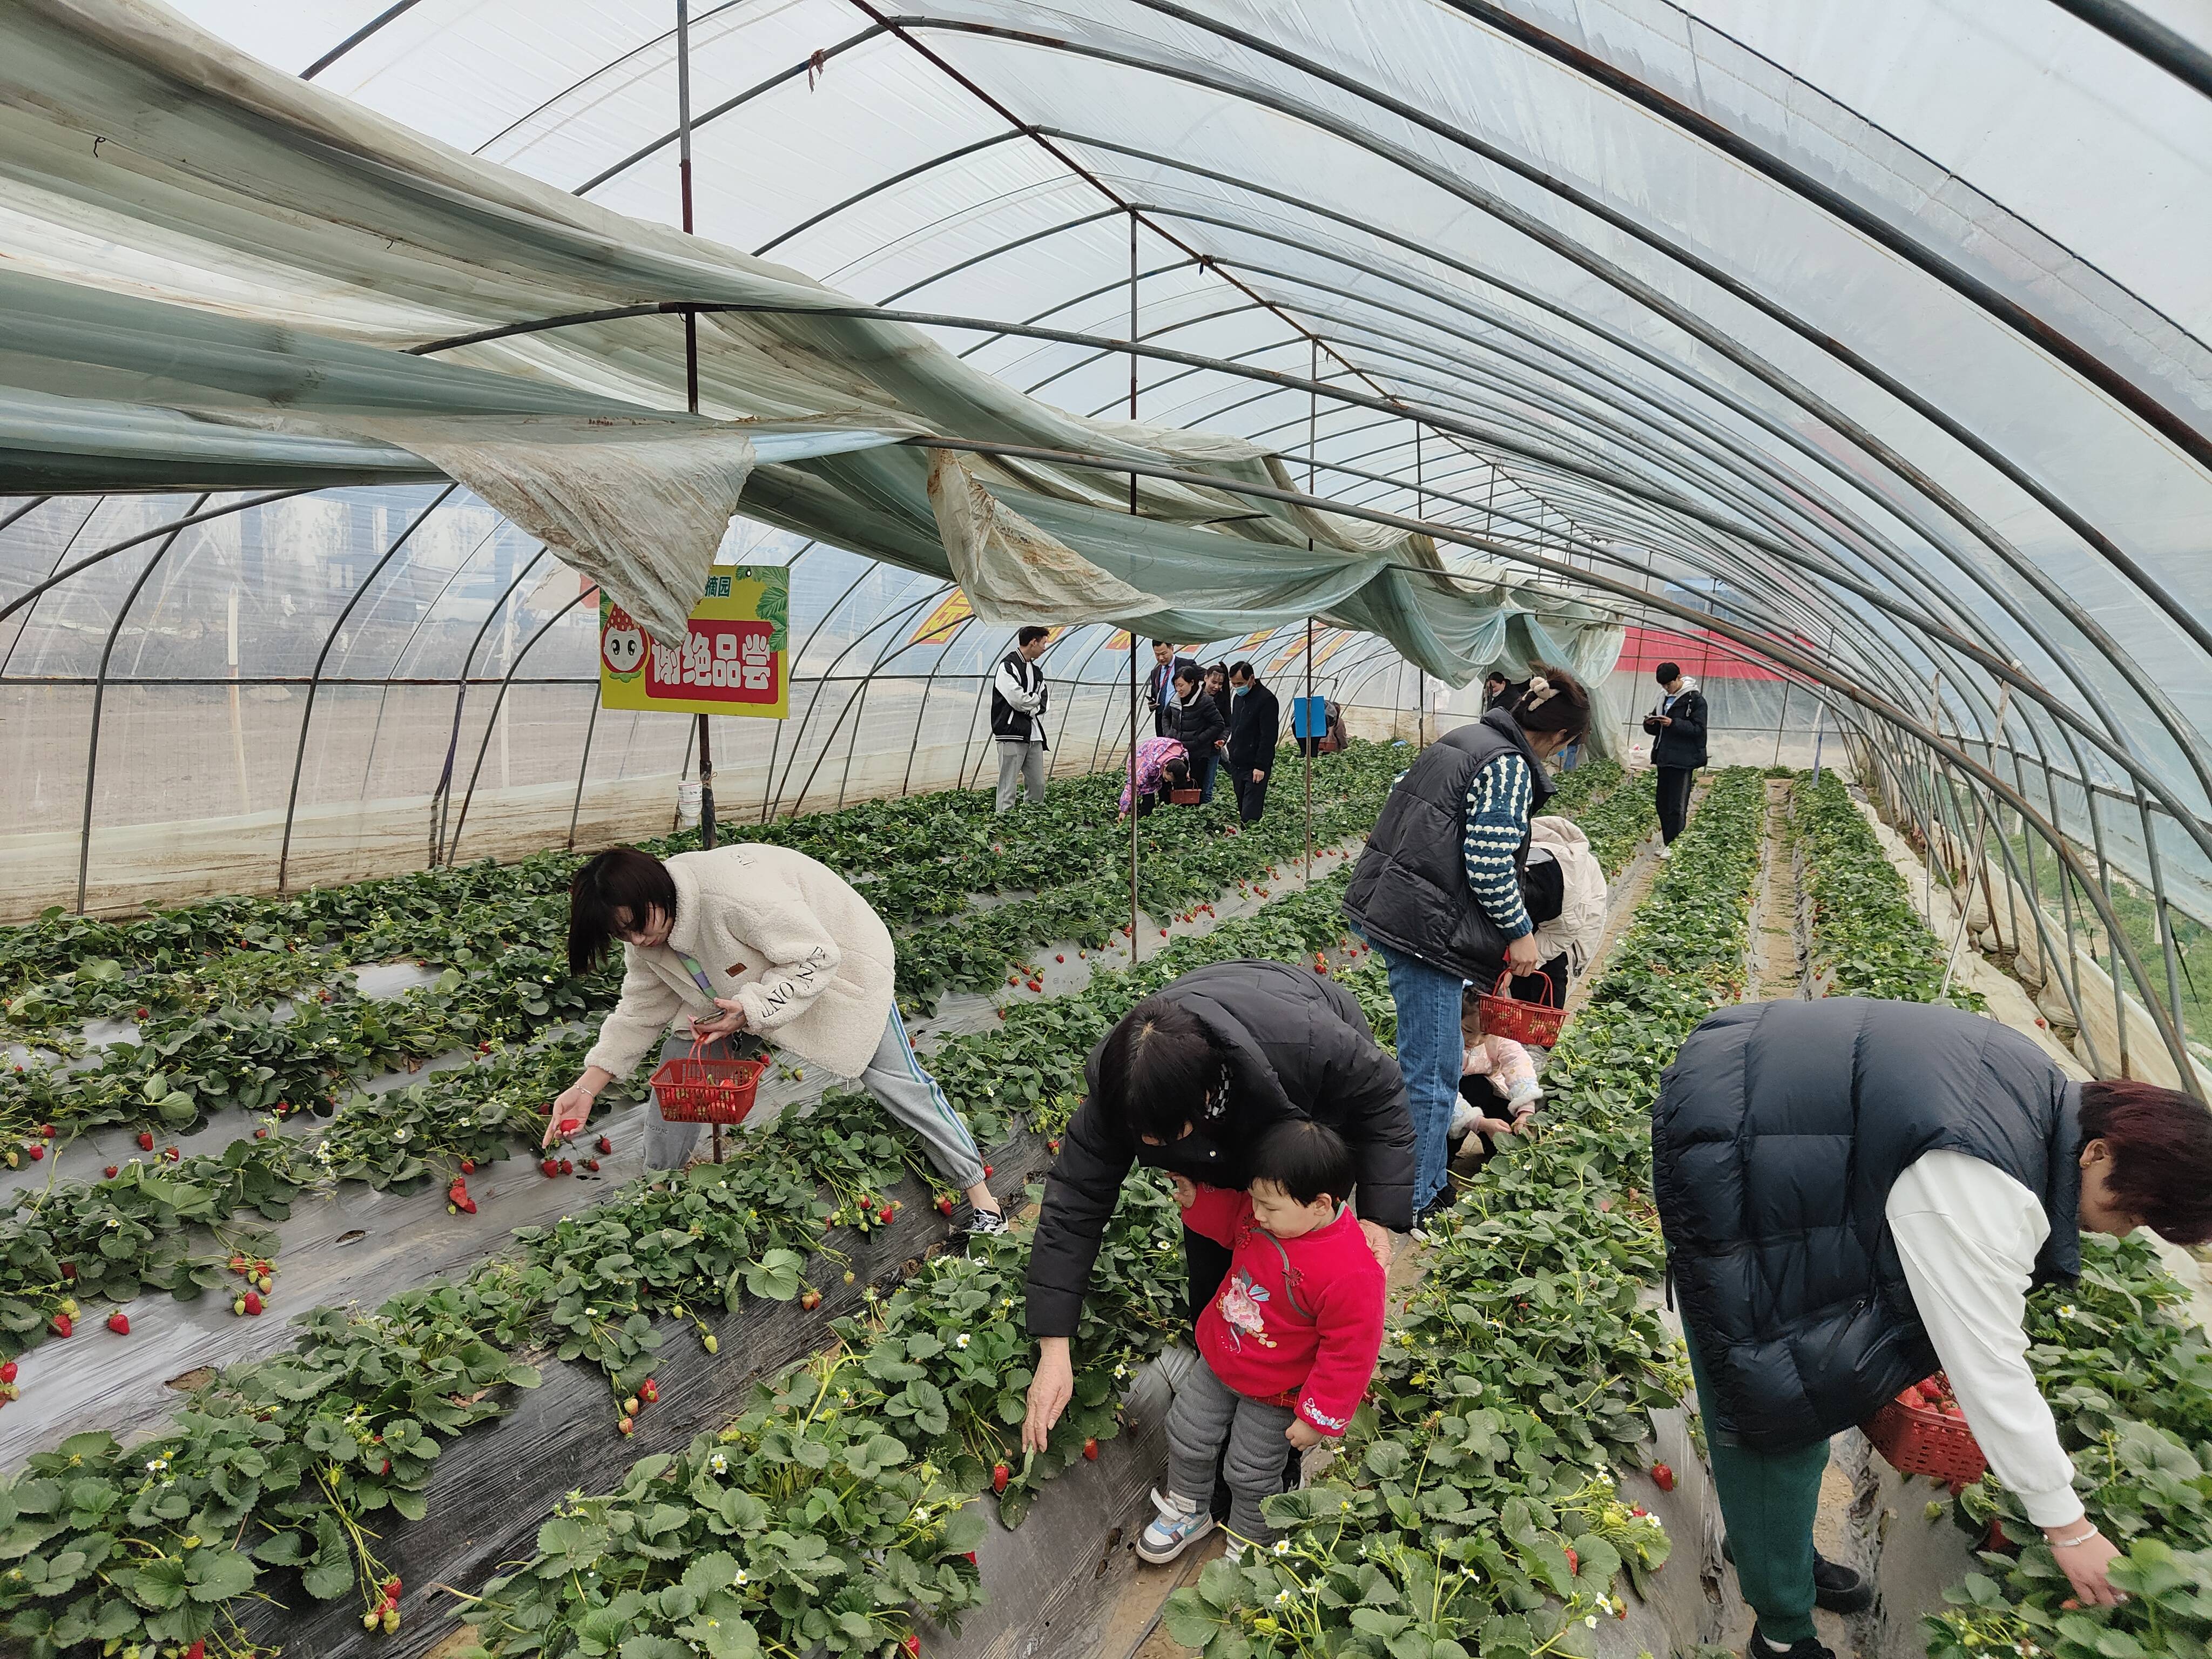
1289	1342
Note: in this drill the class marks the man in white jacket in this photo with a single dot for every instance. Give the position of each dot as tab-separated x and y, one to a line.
759	940
1018	704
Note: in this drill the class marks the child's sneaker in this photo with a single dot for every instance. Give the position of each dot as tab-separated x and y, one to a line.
1179	1524
983	1224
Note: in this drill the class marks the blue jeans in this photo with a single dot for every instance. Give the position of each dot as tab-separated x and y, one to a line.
1430	1050
1205	768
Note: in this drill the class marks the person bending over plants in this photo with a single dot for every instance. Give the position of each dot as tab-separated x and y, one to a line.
761	944
1190	1081
1855	1193
1288	1346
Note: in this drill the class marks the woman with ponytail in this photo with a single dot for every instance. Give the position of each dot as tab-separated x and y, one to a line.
1437	891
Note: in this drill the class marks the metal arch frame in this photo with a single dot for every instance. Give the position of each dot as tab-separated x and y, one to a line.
499	697
315	678
2185	438
893	617
441	796
2175	53
100	696
2050	592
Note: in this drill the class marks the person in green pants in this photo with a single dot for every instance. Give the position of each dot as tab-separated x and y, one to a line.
1855	1194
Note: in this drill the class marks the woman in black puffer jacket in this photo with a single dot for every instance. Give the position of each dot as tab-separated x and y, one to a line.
1198	723
1190	1081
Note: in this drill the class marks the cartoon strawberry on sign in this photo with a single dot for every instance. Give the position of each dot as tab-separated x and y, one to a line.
622	641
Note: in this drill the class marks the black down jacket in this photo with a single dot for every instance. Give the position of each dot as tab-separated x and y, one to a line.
1682	744
1294	1045
1780	1129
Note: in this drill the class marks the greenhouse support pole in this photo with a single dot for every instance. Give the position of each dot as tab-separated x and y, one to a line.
1313	738
1420	675
1781	721
691	391
1819	731
583	767
1133	621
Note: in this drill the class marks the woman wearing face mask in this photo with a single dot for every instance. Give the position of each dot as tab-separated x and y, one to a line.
755	943
1438	889
1190	1081
1853	1193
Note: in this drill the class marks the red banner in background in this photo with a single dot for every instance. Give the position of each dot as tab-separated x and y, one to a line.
1703	655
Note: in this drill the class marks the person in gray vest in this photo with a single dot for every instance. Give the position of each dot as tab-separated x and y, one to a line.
1437	891
1017	703
1855	1193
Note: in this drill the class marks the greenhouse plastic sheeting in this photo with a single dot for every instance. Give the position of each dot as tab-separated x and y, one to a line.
1875	333
208	180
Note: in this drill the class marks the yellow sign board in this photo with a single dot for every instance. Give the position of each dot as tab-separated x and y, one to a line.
733	660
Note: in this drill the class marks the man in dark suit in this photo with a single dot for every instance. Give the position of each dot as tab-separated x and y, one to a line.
1160	689
1252	734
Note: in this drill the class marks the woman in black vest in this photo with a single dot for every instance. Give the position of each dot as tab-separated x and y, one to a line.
1855	1194
1190	1081
1437	891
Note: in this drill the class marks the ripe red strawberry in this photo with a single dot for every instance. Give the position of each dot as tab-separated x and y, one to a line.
648	1391
1574	1561
551	1166
7	1371
69	1270
197	1650
987	1172
48	1130
142	1014
999	1475
810	1298
944	1206
884	1214
173	1154
145	1141
468	1166
64	1325
604	1144
254	1303
1061	957
1053	1145
1091	1449
114	1170
971	1558
1662	1477
261	1135
911	1646
391	1590
1036	985
592	1165
120	1322
458	1196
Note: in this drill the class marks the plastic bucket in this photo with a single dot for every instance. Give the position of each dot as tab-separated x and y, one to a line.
687	804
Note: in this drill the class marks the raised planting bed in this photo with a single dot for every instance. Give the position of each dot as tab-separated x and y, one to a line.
1476	1507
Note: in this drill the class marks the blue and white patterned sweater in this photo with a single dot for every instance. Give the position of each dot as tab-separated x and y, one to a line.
1496	819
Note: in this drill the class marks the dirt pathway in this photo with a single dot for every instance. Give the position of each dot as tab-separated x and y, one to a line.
1776	943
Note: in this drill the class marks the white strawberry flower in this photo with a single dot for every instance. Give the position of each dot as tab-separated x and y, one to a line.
719	1464
740	1580
961	1340
1590	1619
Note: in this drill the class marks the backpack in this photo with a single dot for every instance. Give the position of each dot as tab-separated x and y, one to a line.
1579	928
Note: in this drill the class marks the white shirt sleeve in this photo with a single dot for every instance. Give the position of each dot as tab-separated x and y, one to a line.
1015	692
1968	1235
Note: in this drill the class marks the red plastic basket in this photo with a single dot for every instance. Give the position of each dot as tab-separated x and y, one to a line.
1507	1016
1919	1439
1183	797
694	1088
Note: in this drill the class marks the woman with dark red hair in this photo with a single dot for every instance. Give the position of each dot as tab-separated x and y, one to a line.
1855	1193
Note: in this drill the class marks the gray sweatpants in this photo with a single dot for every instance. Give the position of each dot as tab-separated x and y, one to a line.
893	1076
1207	1412
1021	763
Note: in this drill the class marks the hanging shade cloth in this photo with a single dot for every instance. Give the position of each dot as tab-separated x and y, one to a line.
217	271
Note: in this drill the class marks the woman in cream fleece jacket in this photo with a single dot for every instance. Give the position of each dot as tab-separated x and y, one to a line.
753	939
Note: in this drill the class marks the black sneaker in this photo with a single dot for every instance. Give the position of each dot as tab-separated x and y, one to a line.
1836	1587
1759	1648
1839	1588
